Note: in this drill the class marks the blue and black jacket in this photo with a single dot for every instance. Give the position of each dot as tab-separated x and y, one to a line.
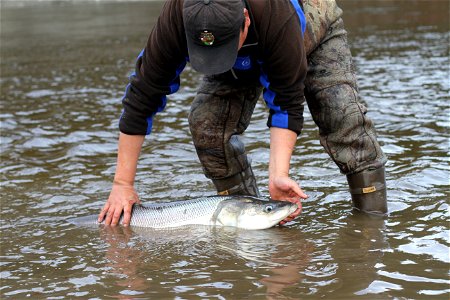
273	51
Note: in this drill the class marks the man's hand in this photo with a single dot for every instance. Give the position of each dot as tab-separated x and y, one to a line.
286	189
123	195
281	187
121	199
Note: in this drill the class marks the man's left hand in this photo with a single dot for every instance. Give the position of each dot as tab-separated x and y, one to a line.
286	189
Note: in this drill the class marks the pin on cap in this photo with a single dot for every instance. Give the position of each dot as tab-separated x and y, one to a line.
207	37
213	29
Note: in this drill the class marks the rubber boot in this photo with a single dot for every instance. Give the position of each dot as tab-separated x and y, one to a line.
243	183
368	190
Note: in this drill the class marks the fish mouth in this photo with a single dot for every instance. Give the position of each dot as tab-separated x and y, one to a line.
284	213
293	208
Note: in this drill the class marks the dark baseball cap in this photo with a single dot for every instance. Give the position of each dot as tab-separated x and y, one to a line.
212	31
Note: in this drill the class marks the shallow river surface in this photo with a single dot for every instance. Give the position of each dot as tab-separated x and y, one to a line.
64	67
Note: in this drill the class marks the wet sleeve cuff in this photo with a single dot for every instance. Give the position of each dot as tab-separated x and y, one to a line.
284	119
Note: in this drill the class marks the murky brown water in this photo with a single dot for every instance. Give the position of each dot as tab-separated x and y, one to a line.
64	66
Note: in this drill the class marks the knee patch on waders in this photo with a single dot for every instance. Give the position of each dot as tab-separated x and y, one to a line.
215	123
346	133
336	108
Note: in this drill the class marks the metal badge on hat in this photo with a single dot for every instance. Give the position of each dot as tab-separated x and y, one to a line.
207	38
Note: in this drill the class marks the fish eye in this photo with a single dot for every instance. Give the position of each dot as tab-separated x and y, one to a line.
268	208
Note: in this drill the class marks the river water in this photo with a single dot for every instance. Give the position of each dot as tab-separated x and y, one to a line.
64	67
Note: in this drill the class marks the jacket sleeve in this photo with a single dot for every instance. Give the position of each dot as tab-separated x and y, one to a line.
283	72
157	72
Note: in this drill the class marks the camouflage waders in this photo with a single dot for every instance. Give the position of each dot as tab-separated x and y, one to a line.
222	110
331	92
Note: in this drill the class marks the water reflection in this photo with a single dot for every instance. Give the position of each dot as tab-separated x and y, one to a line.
359	250
282	257
123	260
181	252
283	260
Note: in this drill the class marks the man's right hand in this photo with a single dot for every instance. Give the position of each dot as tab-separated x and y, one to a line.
123	195
121	200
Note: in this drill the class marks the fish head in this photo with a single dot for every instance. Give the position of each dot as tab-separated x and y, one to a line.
253	213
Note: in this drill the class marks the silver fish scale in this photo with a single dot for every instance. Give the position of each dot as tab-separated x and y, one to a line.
176	212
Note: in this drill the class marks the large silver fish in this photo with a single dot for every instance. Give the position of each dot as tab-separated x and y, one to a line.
236	211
